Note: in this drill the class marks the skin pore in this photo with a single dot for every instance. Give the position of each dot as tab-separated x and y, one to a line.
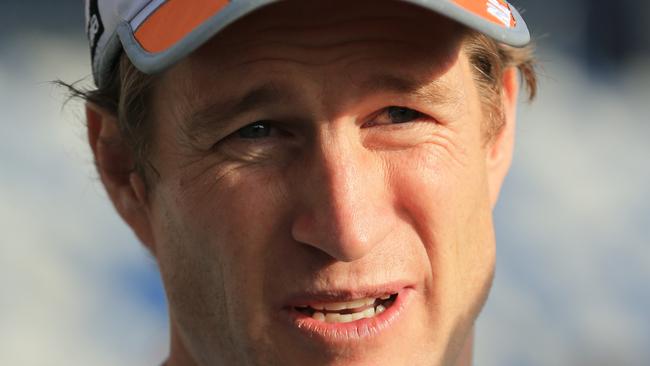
308	151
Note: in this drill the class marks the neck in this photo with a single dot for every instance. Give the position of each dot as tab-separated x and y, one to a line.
465	357
178	354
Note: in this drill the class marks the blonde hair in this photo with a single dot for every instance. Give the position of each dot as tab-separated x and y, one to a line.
489	60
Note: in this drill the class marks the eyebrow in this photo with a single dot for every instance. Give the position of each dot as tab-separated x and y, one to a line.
435	92
210	118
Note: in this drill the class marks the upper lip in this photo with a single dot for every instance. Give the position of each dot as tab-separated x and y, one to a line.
320	295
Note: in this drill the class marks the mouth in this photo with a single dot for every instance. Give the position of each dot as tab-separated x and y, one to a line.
348	311
337	318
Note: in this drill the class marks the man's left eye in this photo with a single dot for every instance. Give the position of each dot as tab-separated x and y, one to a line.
402	114
255	130
395	115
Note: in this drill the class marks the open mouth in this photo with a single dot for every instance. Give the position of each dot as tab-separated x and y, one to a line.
348	311
347	317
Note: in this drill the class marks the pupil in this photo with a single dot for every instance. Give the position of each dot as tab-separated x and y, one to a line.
401	114
255	131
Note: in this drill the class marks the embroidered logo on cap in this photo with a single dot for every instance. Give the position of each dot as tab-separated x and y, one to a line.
501	11
496	11
95	28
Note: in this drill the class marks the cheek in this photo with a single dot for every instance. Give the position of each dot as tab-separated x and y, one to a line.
229	215
213	238
445	201
443	194
443	191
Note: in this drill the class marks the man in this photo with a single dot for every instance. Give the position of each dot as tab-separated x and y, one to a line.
315	179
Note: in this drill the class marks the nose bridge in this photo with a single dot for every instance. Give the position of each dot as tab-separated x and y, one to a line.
343	180
344	210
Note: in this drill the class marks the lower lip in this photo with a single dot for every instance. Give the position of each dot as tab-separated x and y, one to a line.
355	331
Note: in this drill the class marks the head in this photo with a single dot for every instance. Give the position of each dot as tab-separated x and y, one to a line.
306	160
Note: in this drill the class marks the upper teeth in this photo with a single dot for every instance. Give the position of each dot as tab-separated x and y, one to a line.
348	311
345	305
346	318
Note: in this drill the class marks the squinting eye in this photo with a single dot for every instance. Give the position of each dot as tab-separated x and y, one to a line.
255	130
402	114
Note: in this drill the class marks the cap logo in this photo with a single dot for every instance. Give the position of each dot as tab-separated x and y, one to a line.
500	11
95	27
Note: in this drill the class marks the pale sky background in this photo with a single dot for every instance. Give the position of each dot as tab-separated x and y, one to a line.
573	224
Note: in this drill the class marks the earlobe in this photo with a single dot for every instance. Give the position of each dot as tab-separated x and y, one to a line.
499	154
115	164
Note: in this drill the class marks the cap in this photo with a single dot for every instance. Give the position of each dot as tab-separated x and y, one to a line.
155	34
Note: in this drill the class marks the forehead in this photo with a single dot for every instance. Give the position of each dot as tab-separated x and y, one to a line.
361	43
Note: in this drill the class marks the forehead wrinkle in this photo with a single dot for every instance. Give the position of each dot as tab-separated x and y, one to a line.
317	55
357	23
297	41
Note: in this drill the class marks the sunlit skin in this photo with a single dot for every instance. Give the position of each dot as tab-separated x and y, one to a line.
308	150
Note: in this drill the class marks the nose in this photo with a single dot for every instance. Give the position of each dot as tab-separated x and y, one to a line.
343	206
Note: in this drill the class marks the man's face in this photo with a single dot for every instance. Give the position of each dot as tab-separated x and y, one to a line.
320	154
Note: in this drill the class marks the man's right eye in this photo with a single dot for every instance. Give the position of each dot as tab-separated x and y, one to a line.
256	130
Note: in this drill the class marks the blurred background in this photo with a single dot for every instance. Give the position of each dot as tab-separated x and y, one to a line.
573	224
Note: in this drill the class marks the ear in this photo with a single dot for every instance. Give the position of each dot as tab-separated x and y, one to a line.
499	153
115	165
